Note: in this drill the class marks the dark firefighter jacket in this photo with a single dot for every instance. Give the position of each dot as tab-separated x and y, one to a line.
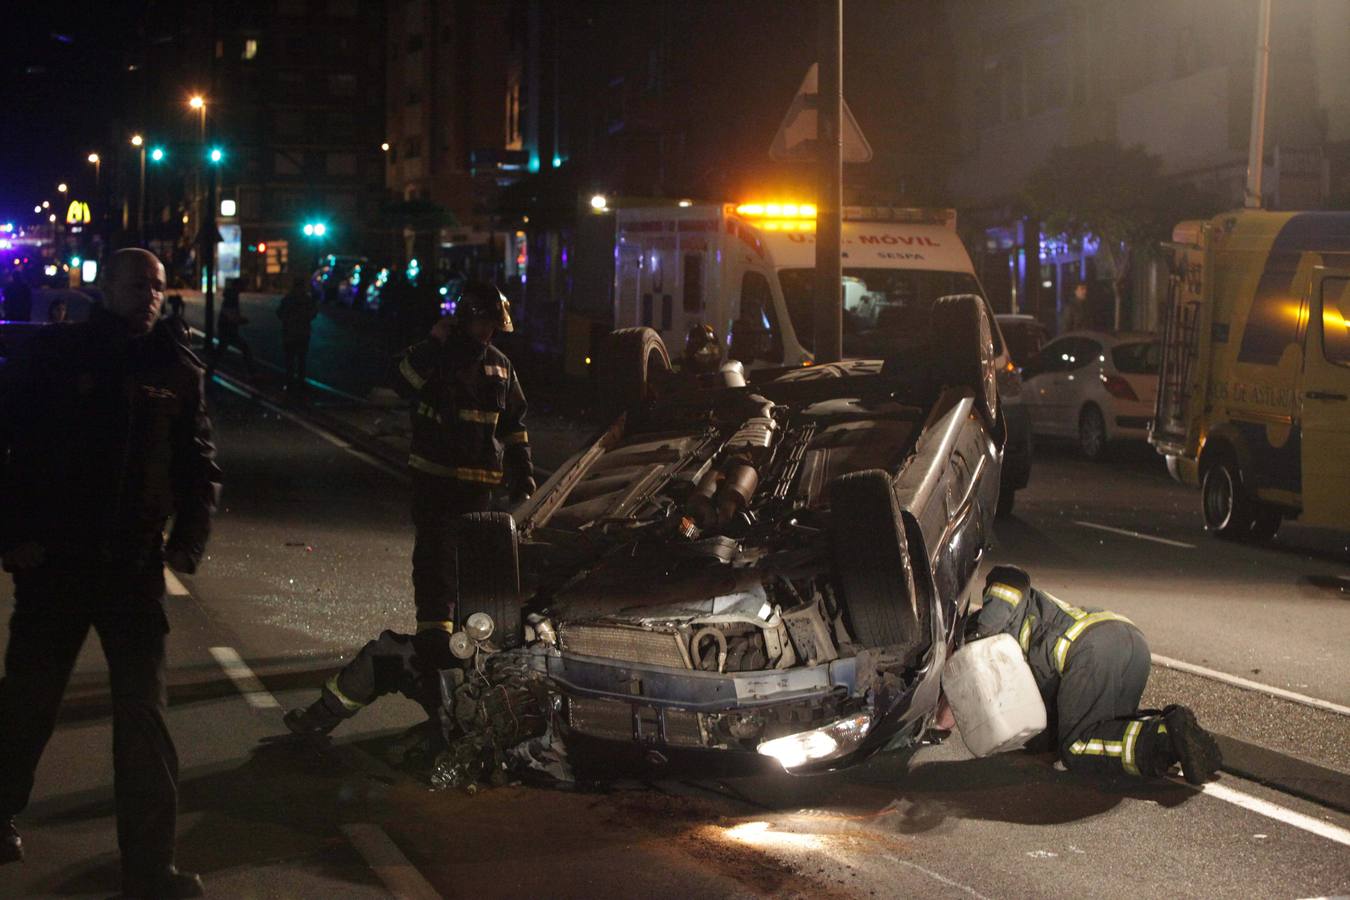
102	437
468	411
1045	626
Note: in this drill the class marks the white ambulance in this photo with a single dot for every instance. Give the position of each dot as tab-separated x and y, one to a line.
748	270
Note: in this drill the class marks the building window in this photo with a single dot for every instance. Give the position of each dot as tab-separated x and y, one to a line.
412	147
250	48
514	139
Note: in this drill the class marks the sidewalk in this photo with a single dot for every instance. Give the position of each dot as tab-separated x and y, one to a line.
347	384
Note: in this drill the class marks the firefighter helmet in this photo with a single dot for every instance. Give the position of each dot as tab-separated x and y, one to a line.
702	352
482	300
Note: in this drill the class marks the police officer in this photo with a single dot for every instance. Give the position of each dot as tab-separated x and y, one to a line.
1091	666
106	434
468	436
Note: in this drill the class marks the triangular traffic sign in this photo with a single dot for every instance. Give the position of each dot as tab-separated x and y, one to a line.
797	136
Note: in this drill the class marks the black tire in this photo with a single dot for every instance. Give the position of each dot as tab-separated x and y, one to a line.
1092	433
965	348
872	566
1224	504
636	364
489	574
1007	497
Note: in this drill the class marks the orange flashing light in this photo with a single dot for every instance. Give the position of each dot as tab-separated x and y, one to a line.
777	210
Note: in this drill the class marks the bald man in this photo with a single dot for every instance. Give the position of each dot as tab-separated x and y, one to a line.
105	429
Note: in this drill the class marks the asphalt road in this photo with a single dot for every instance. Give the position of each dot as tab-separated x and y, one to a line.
310	559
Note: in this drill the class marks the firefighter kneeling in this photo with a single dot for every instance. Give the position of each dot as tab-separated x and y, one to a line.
1091	667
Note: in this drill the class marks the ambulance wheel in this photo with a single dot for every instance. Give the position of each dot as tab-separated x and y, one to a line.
965	345
1223	500
489	574
872	566
636	367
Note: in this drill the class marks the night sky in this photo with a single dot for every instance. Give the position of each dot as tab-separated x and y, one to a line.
64	68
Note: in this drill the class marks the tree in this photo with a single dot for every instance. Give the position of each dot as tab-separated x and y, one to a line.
1116	194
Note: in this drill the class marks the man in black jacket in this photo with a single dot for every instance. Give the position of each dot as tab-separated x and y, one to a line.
103	435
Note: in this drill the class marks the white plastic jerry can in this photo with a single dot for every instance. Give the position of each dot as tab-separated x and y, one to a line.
993	695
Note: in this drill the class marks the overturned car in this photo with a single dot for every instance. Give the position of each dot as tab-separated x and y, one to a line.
738	573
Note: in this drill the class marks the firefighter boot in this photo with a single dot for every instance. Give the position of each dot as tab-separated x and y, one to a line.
1194	747
320	717
11	845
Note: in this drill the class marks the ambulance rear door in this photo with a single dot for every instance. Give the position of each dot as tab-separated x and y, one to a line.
1324	399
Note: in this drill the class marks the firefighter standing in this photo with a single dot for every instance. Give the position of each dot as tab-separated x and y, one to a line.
1091	667
468	436
106	434
702	352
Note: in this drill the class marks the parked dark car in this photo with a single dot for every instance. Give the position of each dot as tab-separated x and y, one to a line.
732	576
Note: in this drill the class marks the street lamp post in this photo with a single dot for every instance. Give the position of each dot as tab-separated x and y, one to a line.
139	143
197	103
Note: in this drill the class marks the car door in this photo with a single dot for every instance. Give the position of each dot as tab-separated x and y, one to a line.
1037	373
1324	399
1080	382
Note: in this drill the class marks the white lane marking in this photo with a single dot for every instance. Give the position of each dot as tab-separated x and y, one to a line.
248	684
935	876
1278	813
173	586
1135	534
1249	685
311	428
388	862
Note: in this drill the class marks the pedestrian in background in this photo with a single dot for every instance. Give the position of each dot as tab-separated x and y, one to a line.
103	425
296	311
56	312
228	323
18	299
1075	316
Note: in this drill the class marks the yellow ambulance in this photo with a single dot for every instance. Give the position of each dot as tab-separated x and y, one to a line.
1254	395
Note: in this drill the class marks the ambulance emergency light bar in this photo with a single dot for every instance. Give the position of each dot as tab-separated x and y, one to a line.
802	216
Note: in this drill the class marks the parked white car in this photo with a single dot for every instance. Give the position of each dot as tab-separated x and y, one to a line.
1093	387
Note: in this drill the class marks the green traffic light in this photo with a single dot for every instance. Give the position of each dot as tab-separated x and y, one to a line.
216	155
157	154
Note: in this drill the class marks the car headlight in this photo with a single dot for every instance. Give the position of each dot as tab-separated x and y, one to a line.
830	742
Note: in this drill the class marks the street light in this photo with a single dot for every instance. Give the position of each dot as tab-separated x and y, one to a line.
385	146
62	187
599	202
137	140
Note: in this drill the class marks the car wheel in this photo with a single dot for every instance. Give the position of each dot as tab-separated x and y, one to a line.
1224	501
1092	433
1265	524
636	365
965	344
489	573
872	566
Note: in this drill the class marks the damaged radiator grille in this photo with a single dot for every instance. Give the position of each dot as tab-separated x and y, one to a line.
627	644
613	720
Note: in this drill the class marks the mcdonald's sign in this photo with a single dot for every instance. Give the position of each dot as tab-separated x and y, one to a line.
77	213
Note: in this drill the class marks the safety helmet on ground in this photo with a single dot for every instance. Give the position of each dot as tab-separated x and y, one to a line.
702	352
482	300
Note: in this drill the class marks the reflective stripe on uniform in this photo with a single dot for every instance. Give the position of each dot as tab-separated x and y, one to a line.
425	410
1073	612
1127	759
520	437
1083	623
497	371
1006	593
478	415
1024	636
1097	747
447	627
480	476
409	374
347	702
